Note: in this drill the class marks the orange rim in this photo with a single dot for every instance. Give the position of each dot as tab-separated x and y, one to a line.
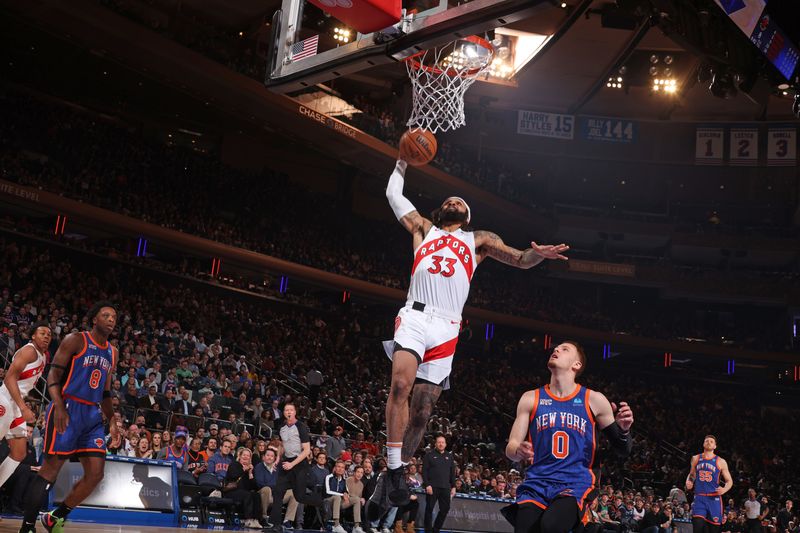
417	65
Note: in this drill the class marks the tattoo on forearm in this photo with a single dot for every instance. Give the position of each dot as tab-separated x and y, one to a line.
530	258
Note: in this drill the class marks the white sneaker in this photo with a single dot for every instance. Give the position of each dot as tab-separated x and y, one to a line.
374	530
385	530
357	529
252	523
338	529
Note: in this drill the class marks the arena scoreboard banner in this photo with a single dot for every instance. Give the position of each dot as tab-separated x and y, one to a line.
709	145
540	124
608	129
782	147
744	147
133	491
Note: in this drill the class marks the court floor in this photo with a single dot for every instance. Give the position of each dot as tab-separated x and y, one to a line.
10	525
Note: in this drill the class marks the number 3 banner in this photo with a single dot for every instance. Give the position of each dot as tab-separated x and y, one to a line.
709	145
782	147
744	147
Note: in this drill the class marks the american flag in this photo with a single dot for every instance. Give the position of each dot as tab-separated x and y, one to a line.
305	48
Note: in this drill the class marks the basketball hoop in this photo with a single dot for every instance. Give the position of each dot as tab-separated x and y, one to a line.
440	77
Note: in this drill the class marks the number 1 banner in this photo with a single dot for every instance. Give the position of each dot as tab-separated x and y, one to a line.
709	146
744	147
782	147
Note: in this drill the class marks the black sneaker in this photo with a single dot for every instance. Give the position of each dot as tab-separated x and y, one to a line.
399	494
378	503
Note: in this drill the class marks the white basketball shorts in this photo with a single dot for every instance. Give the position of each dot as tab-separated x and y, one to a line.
12	425
430	336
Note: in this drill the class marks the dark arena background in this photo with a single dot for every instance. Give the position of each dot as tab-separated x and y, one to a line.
218	172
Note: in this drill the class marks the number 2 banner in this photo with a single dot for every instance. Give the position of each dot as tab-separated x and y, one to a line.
744	147
709	146
782	147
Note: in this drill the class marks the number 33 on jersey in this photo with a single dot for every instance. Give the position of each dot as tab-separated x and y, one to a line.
443	268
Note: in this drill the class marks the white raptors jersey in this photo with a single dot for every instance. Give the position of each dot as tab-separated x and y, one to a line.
442	271
29	375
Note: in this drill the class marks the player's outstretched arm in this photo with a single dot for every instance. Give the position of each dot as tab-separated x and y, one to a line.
402	207
519	448
725	474
491	245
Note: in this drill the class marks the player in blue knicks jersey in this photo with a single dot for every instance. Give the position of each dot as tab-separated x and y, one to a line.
556	429
704	474
80	389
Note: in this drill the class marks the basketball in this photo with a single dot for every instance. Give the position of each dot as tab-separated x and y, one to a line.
418	147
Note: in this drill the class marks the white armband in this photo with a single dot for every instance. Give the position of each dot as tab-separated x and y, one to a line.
394	191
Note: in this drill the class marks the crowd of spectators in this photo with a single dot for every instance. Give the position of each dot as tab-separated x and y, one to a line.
117	169
204	378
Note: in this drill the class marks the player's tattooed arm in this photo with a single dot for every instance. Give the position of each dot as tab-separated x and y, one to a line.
416	224
491	245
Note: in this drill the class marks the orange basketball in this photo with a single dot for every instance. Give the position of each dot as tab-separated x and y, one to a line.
418	147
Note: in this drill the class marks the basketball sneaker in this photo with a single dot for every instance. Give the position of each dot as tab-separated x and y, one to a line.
397	487
52	523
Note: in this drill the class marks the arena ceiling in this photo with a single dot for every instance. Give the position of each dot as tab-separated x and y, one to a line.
571	75
568	77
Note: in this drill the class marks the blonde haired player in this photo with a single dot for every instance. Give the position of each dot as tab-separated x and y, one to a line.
426	329
26	368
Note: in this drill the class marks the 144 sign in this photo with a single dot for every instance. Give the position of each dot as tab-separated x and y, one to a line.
608	129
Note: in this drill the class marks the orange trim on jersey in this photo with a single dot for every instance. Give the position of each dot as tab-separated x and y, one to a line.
79	400
588	409
533	415
706	519
72	365
89	333
17	422
98	451
47	433
534	502
535	404
445	349
565	398
594	448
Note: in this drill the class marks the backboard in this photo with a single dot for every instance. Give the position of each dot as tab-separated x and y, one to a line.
293	66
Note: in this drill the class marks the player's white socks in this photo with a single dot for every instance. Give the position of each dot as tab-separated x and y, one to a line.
7	467
393	454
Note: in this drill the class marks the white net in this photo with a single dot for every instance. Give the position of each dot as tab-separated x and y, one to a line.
439	79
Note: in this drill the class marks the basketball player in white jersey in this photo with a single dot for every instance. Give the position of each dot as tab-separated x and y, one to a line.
26	368
426	329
